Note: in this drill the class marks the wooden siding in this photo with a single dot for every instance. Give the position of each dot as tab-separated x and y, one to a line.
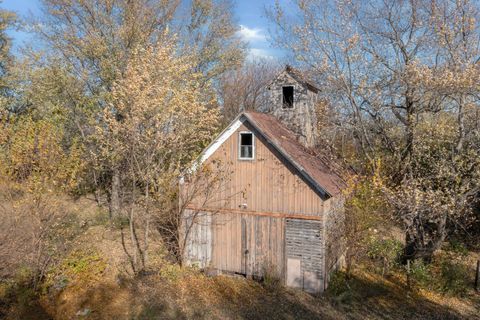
198	246
266	184
244	244
241	222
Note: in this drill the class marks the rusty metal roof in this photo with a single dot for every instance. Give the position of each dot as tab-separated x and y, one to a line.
318	169
301	78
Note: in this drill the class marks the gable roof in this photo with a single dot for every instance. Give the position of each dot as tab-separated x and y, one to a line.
317	170
301	78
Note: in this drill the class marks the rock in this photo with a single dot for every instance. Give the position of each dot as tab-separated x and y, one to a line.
83	312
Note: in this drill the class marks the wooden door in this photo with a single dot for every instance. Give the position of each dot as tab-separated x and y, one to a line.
248	244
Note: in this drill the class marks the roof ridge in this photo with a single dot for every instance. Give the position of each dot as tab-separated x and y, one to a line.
302	78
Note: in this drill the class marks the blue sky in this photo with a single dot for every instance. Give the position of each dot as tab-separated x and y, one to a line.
249	13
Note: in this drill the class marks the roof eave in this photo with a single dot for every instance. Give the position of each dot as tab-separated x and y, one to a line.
202	157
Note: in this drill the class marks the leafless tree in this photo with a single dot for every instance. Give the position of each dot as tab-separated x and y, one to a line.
402	76
244	88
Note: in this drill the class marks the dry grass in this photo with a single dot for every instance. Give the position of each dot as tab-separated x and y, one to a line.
104	290
175	293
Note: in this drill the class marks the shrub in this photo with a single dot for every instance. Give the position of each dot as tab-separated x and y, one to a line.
81	266
172	272
271	277
17	291
339	288
447	273
454	274
385	252
454	277
421	274
338	283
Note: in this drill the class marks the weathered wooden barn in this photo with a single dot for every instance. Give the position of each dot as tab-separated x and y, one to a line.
277	206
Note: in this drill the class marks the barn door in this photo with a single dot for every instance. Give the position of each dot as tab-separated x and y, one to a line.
304	254
197	227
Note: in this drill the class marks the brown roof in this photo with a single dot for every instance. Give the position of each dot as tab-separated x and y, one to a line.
302	78
316	168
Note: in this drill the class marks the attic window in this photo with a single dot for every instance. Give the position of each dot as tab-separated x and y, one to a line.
287	93
246	147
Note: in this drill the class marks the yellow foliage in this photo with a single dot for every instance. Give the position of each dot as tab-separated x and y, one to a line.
34	158
159	118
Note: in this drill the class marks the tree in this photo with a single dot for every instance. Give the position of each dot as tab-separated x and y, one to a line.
157	122
95	41
35	169
395	70
245	87
209	35
7	20
364	213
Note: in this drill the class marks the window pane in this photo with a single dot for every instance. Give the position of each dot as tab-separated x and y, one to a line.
246	139
246	152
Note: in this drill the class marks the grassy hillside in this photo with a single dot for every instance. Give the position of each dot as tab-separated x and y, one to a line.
92	282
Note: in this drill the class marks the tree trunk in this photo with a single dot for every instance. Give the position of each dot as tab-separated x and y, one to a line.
115	193
134	243
422	244
410	246
461	126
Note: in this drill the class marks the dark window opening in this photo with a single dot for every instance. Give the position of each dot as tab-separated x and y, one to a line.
246	145
287	93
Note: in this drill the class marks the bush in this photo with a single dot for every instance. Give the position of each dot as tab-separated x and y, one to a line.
385	252
454	274
82	266
447	273
271	278
454	277
339	289
173	272
421	274
18	291
338	283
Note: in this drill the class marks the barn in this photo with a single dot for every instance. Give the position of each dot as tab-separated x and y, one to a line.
272	204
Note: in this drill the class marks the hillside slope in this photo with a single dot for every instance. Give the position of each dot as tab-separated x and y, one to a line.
93	282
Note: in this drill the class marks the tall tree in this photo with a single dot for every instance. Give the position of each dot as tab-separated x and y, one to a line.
399	73
165	122
95	40
245	88
7	20
210	31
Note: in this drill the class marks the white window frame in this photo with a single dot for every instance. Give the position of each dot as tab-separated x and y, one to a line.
240	145
294	100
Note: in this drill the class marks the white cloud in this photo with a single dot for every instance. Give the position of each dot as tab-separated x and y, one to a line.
252	34
258	39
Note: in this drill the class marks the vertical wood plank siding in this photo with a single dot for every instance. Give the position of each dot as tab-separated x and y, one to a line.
245	244
266	184
247	233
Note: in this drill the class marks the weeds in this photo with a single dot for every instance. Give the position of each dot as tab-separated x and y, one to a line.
79	266
271	278
384	252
